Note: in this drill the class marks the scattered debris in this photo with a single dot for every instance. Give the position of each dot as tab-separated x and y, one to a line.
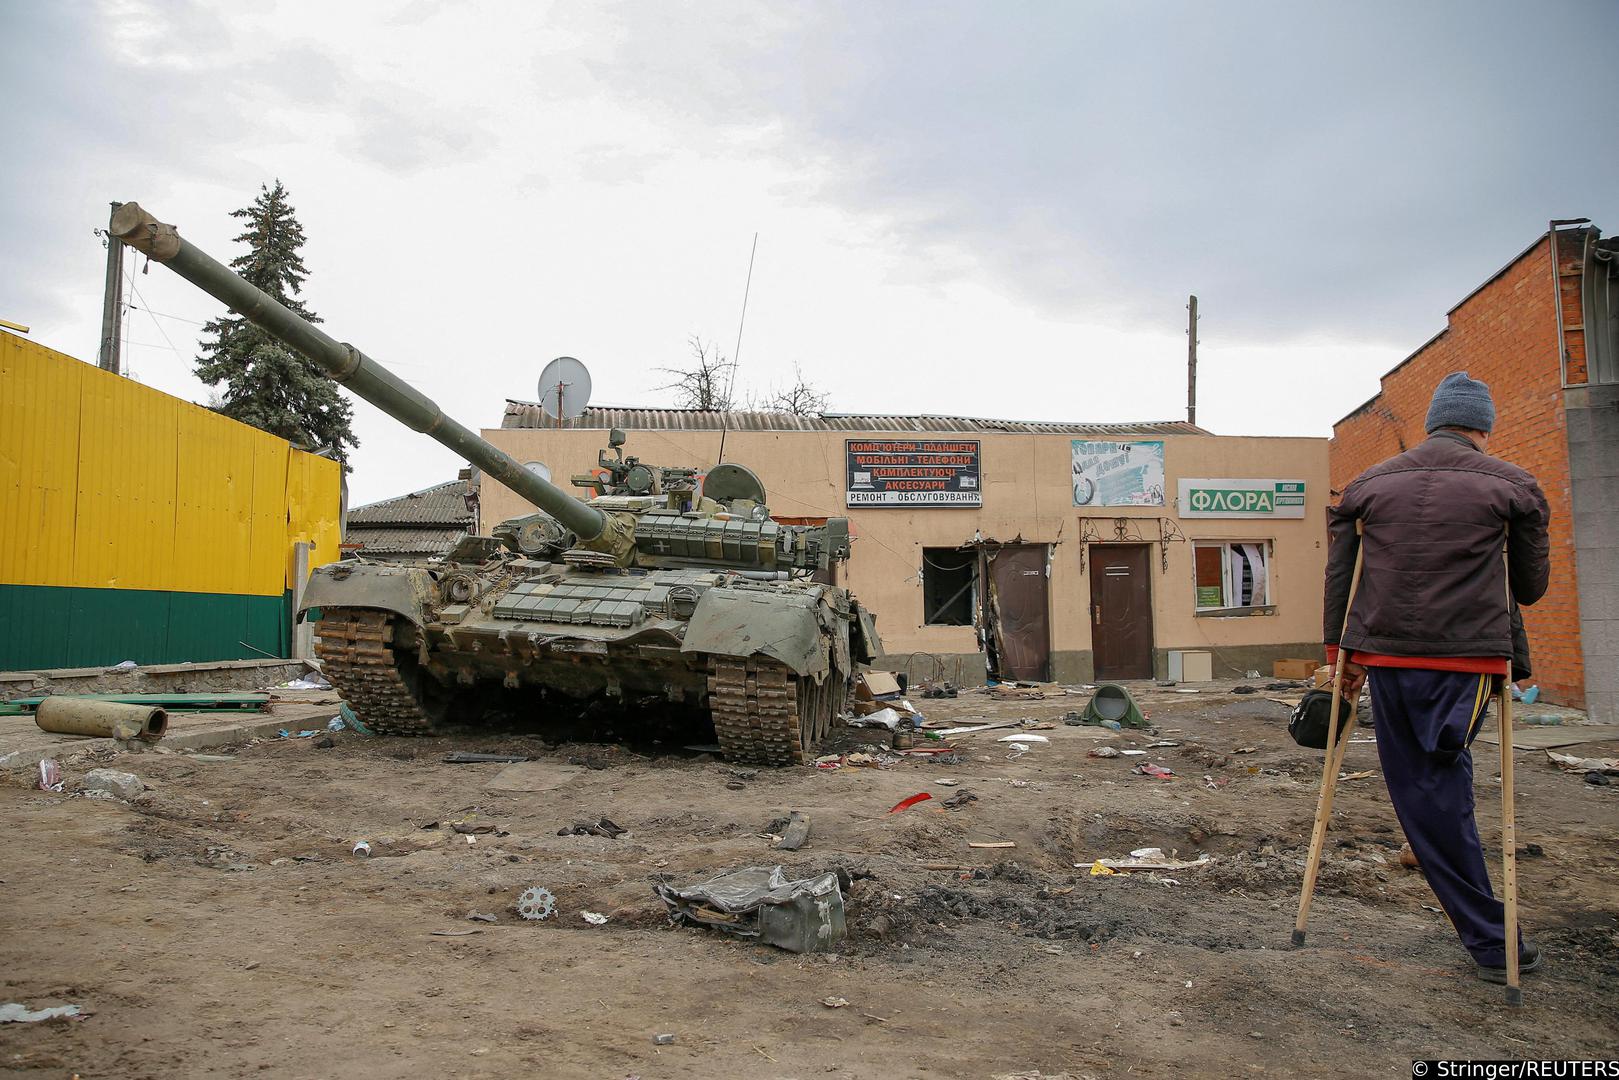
959	799
921	796
312	681
1147	768
50	775
463	757
759	902
796	835
112	784
594	918
536	903
14	1013
1132	753
1144	859
1246	750
1570	763
1023	739
362	848
453	933
992	843
479	916
947	781
835	1002
1104	751
602	827
284	733
1357	775
664	1039
326	743
1161	743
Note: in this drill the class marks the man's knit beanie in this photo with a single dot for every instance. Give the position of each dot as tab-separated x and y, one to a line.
1461	402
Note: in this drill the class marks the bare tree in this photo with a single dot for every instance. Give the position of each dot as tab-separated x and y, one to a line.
800	399
705	381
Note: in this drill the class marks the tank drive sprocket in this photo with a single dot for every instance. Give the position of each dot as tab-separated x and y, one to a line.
355	648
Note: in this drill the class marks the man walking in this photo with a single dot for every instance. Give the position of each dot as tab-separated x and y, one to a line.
1432	633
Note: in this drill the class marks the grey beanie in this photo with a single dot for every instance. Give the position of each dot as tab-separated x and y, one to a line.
1461	402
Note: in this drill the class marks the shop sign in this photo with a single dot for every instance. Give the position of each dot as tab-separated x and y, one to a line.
1118	473
1241	498
912	472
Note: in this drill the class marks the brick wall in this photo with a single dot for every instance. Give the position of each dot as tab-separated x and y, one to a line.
1505	333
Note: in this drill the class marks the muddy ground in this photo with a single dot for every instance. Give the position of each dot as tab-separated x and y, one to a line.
218	924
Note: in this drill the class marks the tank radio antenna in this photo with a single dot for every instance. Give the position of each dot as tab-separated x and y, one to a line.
736	353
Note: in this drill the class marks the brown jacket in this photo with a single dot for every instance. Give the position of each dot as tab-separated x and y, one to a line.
1432	584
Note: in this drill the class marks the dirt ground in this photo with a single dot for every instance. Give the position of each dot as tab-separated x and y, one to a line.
218	924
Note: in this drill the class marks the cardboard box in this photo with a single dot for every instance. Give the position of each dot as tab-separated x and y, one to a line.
1294	669
870	685
1323	675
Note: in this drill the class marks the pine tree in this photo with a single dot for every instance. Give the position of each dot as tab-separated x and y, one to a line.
266	384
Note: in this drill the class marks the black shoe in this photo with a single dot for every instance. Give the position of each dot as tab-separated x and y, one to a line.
1529	960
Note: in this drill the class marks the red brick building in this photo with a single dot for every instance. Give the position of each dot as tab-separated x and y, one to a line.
1544	333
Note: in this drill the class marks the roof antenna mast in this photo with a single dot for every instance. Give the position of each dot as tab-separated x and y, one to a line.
736	353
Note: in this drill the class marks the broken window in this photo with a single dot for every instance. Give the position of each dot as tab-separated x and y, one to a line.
1232	575
949	586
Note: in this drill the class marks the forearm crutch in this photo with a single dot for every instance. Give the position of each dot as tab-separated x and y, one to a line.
1509	823
1336	746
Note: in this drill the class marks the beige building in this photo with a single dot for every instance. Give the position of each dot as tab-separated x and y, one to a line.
1073	552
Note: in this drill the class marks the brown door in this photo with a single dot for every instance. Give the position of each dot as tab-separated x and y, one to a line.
1019	612
1121	611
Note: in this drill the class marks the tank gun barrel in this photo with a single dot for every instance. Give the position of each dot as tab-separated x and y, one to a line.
347	365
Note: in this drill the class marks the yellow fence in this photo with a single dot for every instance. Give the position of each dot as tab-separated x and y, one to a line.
108	484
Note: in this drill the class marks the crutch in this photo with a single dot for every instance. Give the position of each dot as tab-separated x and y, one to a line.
1509	824
1335	750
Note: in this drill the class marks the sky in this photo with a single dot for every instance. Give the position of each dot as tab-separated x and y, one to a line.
981	209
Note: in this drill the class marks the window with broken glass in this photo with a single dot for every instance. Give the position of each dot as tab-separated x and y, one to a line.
949	586
1233	576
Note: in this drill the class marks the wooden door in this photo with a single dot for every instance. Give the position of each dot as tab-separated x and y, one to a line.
1019	612
1121	611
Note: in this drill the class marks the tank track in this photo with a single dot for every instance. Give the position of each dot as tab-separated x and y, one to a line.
754	704
354	646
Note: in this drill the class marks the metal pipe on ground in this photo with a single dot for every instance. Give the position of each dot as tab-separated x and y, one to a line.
103	719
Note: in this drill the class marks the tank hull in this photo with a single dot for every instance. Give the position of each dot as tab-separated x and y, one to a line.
765	666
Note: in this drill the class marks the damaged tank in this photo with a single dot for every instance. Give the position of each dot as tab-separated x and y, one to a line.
664	590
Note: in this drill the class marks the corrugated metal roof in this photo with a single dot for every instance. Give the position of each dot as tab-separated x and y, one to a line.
384	541
441	504
528	414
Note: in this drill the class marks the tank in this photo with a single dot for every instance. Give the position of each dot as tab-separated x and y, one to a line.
664	593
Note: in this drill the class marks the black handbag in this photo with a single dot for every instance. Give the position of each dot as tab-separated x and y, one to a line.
1310	719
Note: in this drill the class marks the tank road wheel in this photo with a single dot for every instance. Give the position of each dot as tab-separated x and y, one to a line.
387	690
765	715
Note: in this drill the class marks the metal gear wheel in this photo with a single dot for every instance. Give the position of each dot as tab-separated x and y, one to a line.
536	902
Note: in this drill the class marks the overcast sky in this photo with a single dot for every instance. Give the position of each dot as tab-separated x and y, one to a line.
984	209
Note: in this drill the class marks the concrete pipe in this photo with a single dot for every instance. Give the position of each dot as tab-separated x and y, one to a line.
105	719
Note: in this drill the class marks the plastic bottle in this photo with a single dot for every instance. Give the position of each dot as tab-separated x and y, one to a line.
362	849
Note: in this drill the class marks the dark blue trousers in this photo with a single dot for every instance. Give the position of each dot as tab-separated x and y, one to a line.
1426	721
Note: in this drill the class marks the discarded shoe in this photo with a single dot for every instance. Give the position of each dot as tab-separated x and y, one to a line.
1529	960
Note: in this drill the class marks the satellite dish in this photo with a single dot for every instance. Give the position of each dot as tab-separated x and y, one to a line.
540	469
564	389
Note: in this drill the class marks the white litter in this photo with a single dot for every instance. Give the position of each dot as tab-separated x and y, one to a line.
13	1013
594	918
1024	739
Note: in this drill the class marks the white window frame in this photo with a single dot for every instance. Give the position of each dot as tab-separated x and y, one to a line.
1267	550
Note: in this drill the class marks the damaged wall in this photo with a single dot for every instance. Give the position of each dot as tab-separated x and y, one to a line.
1028	492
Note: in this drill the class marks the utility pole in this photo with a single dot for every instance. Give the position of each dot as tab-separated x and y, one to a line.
1191	361
112	304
